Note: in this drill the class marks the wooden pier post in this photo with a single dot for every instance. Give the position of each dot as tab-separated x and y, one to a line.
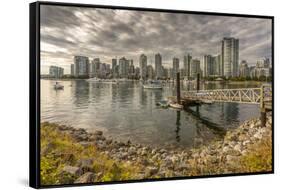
178	89
198	82
262	108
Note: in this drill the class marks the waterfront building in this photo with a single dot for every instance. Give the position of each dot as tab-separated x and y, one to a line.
230	57
158	66
176	66
194	68
95	68
131	73
207	66
182	73
81	66
72	69
217	64
137	72
150	72
263	63
263	68
56	72
252	70
187	64
170	73
123	67
103	70
244	70
143	66
114	68
165	72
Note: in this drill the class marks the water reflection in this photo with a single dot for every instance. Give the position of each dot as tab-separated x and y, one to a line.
127	111
178	124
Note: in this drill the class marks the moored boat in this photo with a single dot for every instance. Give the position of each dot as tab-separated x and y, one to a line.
163	103
153	85
58	86
176	106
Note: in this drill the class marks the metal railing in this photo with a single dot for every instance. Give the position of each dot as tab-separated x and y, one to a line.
239	95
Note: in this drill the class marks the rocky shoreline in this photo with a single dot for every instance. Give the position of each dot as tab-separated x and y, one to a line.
220	157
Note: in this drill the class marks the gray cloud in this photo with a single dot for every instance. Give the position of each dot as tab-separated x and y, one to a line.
106	33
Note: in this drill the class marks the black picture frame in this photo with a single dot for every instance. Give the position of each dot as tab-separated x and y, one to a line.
34	90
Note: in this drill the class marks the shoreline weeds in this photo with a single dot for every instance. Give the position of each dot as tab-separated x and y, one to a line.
229	155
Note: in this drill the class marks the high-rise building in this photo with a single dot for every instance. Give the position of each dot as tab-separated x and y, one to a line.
123	67
230	57
186	64
207	66
158	66
95	68
244	70
72	69
81	66
170	73
194	68
176	66
56	72
102	70
262	68
114	68
131	69
165	72
263	63
217	70
150	72
143	66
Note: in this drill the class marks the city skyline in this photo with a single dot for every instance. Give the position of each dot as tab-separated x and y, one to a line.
105	33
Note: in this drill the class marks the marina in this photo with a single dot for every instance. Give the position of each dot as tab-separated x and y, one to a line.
127	111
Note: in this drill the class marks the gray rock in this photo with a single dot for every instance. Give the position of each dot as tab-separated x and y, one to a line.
242	137
87	162
231	159
246	142
143	152
132	151
258	135
98	133
97	137
140	176
85	178
86	143
108	141
162	151
154	151
182	167
72	170
151	171
238	147
233	152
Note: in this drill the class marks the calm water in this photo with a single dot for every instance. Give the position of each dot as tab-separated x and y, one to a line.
127	111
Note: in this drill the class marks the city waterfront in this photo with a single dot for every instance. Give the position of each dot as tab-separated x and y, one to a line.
126	111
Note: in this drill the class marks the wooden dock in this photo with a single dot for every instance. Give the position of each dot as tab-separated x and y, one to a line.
261	96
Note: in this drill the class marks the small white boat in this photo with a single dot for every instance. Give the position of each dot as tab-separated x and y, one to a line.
95	79
163	103
153	85
58	86
176	106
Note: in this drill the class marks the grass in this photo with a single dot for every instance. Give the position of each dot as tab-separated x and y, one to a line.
59	149
259	159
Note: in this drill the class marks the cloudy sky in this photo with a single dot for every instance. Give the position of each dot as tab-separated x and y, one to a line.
106	33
